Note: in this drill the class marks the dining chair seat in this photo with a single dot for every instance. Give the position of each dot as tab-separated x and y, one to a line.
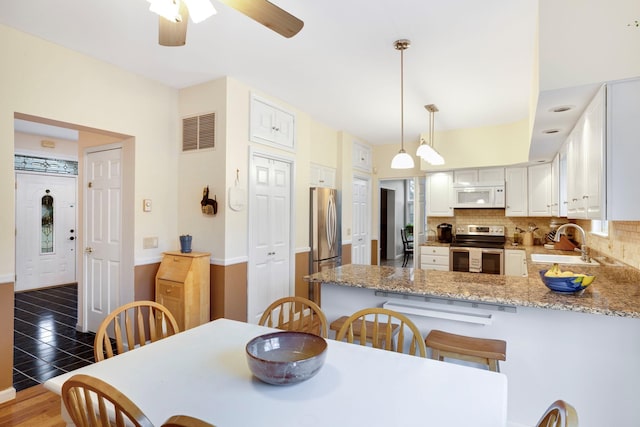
479	350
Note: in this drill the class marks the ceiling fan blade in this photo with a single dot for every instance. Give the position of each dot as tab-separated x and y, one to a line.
269	15
173	33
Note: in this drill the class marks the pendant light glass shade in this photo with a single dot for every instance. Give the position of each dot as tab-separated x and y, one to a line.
425	149
402	160
199	10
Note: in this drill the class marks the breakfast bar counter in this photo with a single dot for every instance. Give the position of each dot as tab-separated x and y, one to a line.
614	292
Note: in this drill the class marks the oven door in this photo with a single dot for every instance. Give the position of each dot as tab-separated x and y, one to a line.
492	260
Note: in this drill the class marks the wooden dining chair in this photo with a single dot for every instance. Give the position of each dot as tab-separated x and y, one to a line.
92	402
132	325
407	246
185	421
381	327
559	414
295	314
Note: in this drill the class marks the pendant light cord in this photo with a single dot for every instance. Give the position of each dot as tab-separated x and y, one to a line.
402	99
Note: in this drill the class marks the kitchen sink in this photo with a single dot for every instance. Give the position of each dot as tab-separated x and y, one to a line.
561	259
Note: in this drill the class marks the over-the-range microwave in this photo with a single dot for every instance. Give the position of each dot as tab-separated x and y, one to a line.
479	195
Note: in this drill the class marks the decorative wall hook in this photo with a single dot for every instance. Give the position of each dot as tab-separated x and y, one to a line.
209	206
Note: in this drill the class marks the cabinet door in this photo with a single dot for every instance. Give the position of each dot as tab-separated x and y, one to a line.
171	295
323	176
361	157
516	189
623	150
491	175
515	262
465	176
271	125
594	157
575	170
555	186
439	197
539	189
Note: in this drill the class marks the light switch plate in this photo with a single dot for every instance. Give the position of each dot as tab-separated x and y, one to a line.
149	242
146	205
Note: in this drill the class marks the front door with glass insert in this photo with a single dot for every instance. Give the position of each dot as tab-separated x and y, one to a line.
45	230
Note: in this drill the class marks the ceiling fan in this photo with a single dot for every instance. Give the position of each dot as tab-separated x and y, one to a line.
175	13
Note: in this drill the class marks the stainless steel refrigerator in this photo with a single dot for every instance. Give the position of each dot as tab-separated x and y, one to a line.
325	236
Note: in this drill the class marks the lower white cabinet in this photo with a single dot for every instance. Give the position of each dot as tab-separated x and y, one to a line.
515	262
434	258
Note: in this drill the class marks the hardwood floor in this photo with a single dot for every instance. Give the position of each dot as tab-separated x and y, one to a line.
33	407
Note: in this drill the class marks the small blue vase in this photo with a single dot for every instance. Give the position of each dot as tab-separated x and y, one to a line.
185	244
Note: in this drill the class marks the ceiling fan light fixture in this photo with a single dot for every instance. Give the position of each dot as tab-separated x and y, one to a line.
199	10
402	160
168	9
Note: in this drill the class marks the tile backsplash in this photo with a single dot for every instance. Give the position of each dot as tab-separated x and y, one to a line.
622	243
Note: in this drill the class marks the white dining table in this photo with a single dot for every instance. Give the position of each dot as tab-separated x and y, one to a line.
203	372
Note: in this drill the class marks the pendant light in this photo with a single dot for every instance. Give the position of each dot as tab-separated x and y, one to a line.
426	150
402	160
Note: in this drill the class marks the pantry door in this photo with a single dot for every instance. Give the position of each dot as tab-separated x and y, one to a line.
270	275
361	241
45	230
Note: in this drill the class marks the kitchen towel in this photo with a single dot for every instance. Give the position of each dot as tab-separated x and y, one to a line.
475	260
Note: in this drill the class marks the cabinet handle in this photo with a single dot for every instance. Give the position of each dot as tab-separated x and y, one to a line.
168	290
585	197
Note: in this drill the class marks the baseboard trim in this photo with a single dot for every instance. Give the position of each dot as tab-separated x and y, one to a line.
7	394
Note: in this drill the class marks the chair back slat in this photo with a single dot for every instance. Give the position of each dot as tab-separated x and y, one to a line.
136	325
92	402
295	314
396	327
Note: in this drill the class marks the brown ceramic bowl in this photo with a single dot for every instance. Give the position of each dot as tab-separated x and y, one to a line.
286	357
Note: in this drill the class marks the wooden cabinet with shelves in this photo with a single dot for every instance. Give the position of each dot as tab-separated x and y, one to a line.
183	286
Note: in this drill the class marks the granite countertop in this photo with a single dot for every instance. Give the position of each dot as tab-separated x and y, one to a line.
614	292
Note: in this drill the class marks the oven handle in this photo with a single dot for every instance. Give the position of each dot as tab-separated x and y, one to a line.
493	251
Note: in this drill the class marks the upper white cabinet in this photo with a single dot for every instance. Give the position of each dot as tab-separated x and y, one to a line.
322	176
516	189
484	175
540	189
271	125
585	162
439	196
623	150
361	157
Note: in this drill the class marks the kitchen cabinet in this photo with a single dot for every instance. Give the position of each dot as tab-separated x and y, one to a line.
183	286
270	124
515	262
482	175
539	179
361	157
322	176
623	150
585	162
516	189
439	195
434	258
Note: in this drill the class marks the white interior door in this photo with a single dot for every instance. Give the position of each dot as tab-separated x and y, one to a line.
103	247
45	230
360	244
270	235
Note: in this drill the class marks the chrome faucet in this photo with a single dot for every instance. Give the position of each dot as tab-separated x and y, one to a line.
583	241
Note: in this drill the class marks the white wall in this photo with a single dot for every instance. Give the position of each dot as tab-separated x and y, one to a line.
30	144
45	80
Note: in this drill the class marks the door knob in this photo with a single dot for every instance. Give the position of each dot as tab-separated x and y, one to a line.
88	250
72	238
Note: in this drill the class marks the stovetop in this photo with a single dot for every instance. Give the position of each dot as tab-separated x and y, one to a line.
479	236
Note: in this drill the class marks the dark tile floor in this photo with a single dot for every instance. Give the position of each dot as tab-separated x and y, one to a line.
46	343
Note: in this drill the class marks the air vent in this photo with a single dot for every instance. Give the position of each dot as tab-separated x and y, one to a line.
199	132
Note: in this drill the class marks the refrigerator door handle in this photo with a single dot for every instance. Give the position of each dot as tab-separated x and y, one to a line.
331	222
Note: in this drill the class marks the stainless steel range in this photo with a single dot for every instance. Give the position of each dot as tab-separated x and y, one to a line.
478	249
